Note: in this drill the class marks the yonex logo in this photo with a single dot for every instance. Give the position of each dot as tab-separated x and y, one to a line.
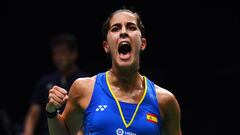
101	108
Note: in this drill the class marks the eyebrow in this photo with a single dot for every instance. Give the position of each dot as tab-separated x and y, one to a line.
119	24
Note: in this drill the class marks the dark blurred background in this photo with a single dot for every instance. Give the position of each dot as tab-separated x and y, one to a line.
191	51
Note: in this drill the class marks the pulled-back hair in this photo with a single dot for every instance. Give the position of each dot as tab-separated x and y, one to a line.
106	25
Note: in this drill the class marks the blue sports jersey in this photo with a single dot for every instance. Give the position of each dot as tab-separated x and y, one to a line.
105	115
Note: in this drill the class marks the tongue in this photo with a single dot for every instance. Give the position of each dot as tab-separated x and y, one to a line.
125	55
124	51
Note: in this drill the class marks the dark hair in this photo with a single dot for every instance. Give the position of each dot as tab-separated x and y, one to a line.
64	39
106	25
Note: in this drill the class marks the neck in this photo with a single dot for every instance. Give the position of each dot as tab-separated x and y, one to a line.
126	80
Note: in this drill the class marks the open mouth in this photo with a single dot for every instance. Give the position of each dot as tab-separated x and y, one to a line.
124	48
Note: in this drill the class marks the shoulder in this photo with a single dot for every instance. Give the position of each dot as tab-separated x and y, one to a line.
84	82
166	100
163	94
82	86
81	91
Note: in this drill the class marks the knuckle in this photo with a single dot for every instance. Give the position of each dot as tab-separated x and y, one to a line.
51	101
55	87
49	96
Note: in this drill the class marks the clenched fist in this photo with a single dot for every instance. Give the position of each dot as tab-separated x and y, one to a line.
57	97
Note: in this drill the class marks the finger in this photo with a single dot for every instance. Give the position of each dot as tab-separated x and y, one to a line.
59	94
54	104
65	98
63	91
56	98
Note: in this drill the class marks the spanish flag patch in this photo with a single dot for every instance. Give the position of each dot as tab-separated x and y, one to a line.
152	118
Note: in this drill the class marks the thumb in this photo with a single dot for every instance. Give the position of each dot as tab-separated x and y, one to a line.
65	99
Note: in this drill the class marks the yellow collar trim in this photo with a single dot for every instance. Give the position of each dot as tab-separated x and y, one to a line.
119	107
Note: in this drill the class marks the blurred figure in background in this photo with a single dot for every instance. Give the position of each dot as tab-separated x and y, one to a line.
5	123
64	49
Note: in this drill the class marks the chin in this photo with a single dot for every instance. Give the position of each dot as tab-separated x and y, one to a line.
127	65
124	63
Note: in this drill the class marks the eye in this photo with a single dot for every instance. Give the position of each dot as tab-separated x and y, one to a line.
132	28
114	29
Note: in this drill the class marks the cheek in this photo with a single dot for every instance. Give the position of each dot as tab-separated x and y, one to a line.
112	44
112	49
137	37
113	36
138	44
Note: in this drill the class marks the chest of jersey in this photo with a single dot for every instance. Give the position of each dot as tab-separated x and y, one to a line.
106	116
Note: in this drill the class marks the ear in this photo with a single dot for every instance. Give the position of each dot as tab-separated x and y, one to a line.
144	44
106	46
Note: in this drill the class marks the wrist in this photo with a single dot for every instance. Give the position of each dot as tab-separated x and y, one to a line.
51	115
50	108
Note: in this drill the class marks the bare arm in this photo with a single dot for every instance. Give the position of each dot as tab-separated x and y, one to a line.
79	97
70	121
73	113
31	119
57	97
170	112
57	126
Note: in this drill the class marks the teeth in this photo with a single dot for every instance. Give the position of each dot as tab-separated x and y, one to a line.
122	43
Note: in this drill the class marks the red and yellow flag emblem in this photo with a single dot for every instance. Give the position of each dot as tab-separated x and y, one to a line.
152	118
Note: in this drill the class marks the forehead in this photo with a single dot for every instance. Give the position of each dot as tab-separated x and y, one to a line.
123	17
60	47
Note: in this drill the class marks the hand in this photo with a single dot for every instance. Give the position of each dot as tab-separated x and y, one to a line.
57	97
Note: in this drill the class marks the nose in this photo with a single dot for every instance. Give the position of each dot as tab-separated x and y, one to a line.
123	33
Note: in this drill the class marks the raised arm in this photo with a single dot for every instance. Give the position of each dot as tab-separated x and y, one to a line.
71	120
57	97
73	112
